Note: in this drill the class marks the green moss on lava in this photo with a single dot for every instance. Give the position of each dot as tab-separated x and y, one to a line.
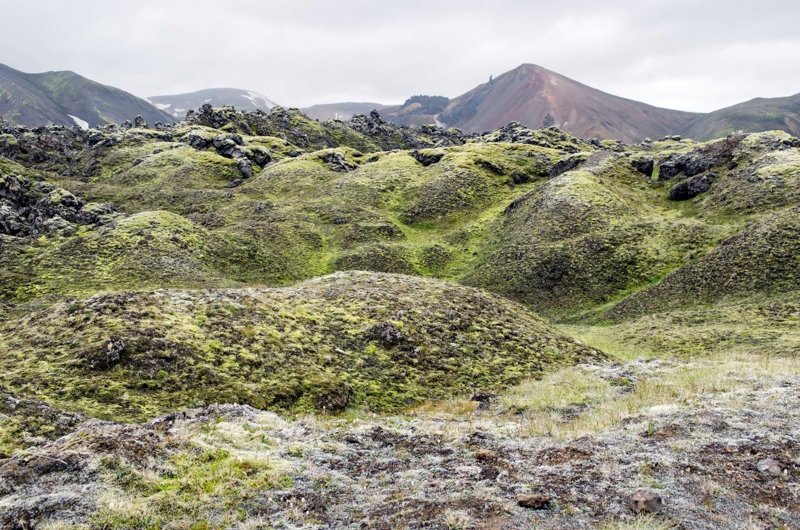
308	347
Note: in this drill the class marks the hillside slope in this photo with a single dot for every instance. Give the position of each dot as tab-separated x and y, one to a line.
178	104
537	97
757	115
387	291
66	98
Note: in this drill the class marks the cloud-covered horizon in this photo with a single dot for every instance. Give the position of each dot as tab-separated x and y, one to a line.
685	54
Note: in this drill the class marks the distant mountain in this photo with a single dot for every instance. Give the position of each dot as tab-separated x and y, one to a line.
756	115
177	105
341	111
66	98
537	97
418	110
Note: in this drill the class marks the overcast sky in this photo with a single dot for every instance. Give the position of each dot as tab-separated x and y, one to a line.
685	54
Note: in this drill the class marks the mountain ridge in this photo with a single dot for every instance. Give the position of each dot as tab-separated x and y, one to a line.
66	98
539	98
755	115
529	94
178	104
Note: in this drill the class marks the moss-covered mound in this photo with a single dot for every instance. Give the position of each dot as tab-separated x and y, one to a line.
763	259
583	238
147	250
356	339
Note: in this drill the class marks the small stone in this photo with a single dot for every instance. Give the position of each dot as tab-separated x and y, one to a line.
483	396
644	501
468	470
770	466
536	501
114	347
485	454
387	333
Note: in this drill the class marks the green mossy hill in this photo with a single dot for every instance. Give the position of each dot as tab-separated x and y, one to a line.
763	259
585	237
764	179
158	249
147	250
356	339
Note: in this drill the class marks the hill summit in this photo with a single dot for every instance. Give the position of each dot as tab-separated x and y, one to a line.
179	104
66	98
538	98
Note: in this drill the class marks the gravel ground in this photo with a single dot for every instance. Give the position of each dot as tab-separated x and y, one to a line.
702	460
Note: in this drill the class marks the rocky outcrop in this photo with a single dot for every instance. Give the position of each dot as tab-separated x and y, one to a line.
391	136
337	162
567	164
552	137
644	165
427	158
716	154
30	208
691	188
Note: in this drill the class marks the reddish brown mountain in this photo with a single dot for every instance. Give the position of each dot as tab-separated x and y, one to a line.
537	97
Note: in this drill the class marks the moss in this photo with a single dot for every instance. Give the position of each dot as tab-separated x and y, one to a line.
770	182
762	259
149	249
380	258
307	347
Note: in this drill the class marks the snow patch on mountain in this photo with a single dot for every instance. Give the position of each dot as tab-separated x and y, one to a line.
79	122
253	97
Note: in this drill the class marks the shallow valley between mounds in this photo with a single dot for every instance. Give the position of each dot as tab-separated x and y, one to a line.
256	320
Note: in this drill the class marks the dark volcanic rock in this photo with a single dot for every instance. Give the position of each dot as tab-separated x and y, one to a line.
691	188
337	162
245	167
566	164
226	144
30	208
387	333
196	141
427	158
700	160
644	165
